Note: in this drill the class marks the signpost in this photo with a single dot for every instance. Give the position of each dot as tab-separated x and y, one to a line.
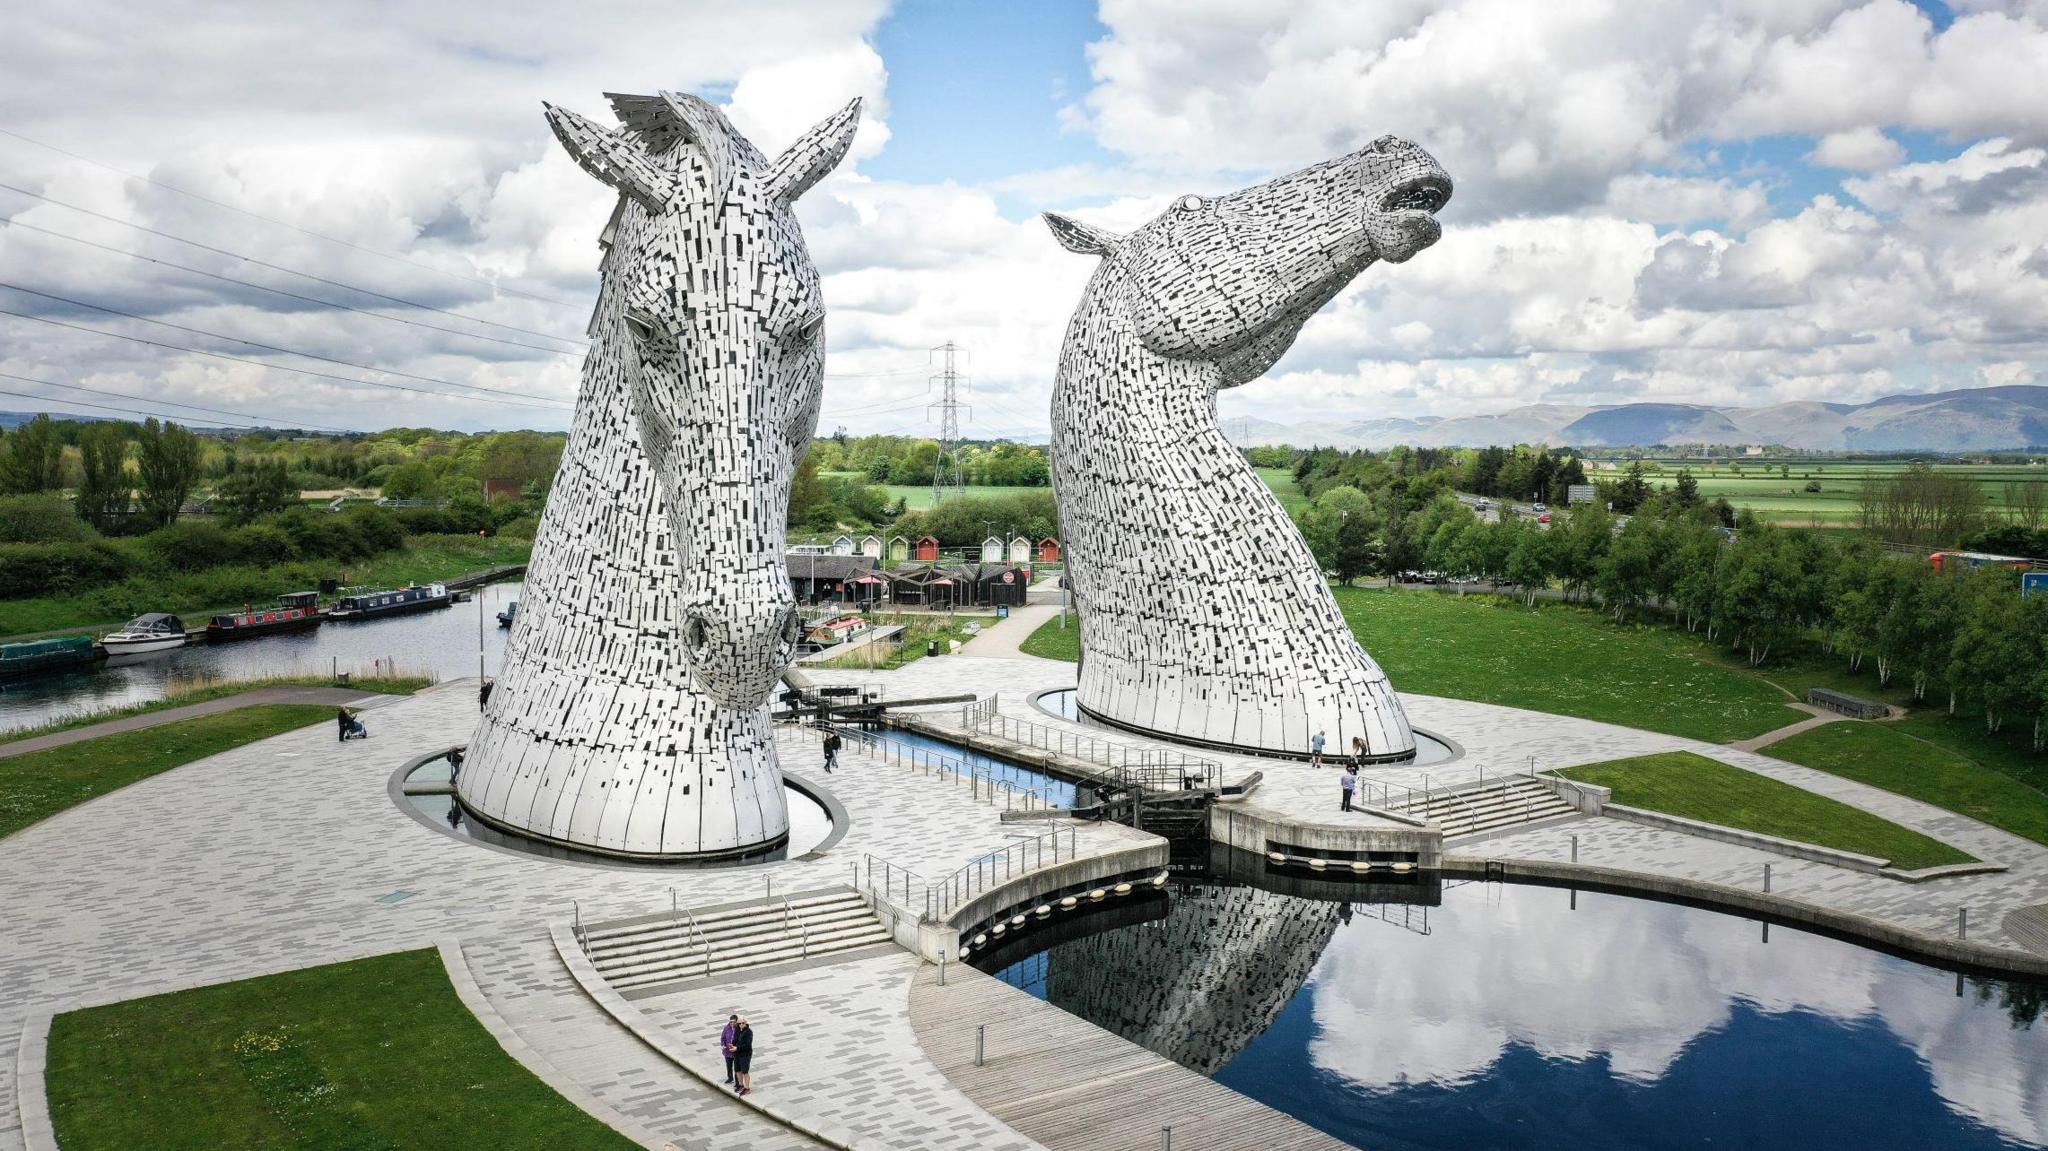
1581	493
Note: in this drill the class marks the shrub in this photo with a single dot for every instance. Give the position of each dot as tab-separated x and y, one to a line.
522	528
44	569
379	529
41	519
191	546
260	544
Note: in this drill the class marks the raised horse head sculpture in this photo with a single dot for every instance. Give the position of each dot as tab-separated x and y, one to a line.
725	359
1205	617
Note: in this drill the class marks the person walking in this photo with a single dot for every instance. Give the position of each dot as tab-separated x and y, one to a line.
1315	749
743	1055
344	721
832	743
727	1044
1349	783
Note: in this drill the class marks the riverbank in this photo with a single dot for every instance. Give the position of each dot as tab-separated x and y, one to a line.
455	560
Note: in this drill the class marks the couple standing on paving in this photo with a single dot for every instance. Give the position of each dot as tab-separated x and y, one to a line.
736	1042
1349	782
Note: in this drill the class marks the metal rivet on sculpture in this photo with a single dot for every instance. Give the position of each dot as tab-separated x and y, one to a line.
631	716
1205	618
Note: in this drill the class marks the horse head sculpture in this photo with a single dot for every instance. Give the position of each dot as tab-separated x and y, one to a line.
1205	616
725	360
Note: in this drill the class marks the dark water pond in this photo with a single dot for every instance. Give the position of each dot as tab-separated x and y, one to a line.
1486	1015
443	642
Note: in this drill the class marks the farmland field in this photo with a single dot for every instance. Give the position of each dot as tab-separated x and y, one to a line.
1281	480
1775	490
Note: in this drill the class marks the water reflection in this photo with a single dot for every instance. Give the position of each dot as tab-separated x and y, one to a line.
443	642
1510	1019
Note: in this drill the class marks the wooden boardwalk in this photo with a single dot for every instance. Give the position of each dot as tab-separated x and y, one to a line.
1073	1086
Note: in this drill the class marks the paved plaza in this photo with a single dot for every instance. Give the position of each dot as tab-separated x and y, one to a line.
289	853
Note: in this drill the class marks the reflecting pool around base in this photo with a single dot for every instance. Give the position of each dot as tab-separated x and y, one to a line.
1484	1015
809	825
1058	792
1060	702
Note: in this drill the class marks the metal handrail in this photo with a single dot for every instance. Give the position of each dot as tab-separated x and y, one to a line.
702	938
980	873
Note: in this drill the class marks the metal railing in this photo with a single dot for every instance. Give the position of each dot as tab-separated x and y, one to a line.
995	868
1121	762
900	888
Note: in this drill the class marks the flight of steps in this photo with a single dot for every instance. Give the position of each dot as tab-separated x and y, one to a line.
652	953
1507	803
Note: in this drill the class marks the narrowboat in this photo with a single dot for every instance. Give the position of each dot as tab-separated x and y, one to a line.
46	657
156	631
297	611
375	603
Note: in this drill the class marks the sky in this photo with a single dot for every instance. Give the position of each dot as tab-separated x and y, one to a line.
1698	201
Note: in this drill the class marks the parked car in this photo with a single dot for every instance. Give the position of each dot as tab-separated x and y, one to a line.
1544	518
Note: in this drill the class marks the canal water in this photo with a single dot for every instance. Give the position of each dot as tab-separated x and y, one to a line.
1494	1016
442	641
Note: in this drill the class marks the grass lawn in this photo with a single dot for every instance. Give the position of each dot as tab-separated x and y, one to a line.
1695	787
1281	480
1550	657
1887	755
180	697
40	784
909	646
374	1055
1051	641
197	596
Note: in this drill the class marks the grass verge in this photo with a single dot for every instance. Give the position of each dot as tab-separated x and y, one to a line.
40	784
909	644
1051	641
372	1054
1887	756
183	693
1695	787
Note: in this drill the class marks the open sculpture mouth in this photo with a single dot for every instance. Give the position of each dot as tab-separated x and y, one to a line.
1423	194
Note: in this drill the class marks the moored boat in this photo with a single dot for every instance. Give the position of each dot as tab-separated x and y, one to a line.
510	613
298	611
358	604
46	657
156	631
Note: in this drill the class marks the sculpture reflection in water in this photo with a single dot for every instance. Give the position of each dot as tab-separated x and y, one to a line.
1535	1017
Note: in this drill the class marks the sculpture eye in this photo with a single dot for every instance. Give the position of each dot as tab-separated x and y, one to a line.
808	330
640	324
1189	203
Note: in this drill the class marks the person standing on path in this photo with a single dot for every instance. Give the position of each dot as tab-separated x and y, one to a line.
743	1055
832	743
1315	749
727	1046
1349	783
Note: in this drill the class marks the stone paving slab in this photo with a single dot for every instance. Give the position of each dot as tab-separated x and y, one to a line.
275	855
335	696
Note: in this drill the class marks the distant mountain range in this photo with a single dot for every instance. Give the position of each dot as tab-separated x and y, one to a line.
1969	420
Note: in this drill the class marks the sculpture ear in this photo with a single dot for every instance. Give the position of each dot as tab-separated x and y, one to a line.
1084	239
814	155
705	126
611	156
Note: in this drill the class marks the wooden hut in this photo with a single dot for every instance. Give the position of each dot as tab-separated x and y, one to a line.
926	551
899	549
871	546
1048	550
842	546
992	550
1020	550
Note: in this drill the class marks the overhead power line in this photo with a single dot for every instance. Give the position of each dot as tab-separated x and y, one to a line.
264	363
128	413
273	347
280	291
154	402
378	252
233	255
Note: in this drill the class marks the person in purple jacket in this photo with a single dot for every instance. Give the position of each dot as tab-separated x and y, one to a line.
727	1041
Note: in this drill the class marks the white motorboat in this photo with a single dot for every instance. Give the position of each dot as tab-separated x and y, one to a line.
157	631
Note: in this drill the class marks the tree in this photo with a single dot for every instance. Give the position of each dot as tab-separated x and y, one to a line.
257	488
1529	560
1627	574
103	485
1320	520
806	494
413	480
1630	493
1583	540
1359	550
35	459
1991	658
167	466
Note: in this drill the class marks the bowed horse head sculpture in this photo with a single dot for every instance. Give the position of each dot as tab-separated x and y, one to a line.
1230	280
725	355
1205	617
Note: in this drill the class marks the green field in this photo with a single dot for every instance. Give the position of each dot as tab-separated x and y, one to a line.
196	596
1695	787
1281	480
1760	486
40	784
377	1055
1551	657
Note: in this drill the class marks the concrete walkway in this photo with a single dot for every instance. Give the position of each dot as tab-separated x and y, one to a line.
1817	717
1004	639
332	696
